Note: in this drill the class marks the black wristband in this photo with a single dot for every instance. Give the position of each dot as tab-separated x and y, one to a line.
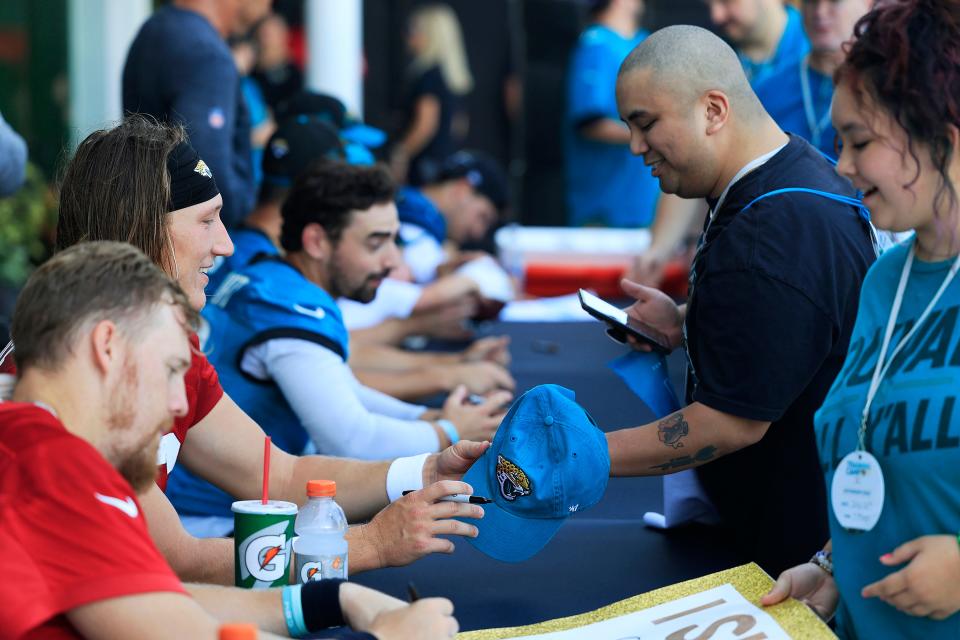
321	604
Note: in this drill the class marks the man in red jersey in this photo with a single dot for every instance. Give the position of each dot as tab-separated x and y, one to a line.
102	349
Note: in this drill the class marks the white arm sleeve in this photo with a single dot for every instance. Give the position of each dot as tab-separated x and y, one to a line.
324	394
376	401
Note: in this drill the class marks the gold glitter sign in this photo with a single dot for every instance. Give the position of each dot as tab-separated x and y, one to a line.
725	601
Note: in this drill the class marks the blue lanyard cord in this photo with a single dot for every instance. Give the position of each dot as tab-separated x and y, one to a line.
816	126
854	202
862	211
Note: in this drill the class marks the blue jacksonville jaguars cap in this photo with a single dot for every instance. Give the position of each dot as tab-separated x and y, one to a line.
548	461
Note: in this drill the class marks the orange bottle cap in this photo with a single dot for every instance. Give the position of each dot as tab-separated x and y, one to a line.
238	631
321	488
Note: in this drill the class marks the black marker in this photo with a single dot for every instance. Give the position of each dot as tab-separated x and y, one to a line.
456	497
412	593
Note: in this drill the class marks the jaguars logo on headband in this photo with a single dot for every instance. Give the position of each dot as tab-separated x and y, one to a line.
203	169
514	483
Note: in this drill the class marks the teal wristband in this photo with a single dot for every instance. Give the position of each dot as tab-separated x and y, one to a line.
450	429
293	611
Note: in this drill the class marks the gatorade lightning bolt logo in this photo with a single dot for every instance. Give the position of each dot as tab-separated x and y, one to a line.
310	571
264	554
268	555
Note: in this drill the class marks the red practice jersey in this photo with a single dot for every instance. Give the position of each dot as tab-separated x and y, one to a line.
203	393
71	528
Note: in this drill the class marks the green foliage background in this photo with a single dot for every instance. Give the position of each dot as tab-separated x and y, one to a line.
27	221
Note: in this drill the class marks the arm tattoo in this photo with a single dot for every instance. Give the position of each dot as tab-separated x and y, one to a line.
672	430
703	455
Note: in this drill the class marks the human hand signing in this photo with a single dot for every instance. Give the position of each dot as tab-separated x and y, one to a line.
426	619
407	529
480	377
475	421
493	349
361	605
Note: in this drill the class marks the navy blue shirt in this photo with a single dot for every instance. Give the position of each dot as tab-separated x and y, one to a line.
768	326
425	165
180	70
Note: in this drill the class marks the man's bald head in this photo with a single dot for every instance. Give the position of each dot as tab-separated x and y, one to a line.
688	61
690	111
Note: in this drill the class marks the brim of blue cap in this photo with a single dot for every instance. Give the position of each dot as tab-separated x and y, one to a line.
359	155
368	136
502	535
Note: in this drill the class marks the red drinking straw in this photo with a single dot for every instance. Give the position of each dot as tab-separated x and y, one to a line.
266	469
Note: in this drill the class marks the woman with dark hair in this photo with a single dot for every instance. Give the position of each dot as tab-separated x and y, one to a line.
141	182
888	434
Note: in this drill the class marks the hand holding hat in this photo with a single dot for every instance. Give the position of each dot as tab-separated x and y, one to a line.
548	461
407	529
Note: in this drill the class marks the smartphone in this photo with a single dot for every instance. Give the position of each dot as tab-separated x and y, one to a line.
620	325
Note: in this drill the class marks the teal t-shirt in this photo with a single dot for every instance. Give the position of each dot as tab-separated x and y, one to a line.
914	432
781	94
606	184
792	47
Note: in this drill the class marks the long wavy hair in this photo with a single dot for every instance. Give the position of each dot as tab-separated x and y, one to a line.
117	187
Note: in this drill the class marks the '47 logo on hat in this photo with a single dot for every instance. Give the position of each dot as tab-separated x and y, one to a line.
514	483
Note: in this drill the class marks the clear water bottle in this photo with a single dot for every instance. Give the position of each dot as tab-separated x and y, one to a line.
321	548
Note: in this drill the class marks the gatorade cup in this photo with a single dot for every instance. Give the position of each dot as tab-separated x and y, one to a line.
262	534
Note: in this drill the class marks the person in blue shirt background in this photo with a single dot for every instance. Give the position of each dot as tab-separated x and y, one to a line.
606	185
798	96
766	34
895	409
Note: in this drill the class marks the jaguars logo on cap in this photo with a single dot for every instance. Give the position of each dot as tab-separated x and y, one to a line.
514	483
203	169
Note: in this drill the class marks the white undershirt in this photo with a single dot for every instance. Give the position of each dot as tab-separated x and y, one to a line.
422	253
394	299
342	417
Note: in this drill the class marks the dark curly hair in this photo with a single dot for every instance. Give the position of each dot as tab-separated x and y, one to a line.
906	55
328	193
